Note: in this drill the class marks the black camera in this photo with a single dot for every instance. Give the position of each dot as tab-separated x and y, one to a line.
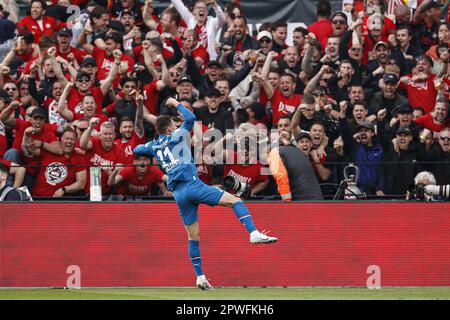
241	189
422	192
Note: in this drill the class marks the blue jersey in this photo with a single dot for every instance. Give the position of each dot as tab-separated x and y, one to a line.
173	152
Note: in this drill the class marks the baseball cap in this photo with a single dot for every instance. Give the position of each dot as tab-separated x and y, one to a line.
214	63
404	108
213	92
339	13
367	125
302	135
88	61
381	43
264	34
390	78
38	112
65	32
184	79
404	130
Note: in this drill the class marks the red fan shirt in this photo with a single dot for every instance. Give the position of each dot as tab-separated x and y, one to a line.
282	106
105	159
135	185
126	148
421	94
48	135
49	26
74	99
105	64
56	172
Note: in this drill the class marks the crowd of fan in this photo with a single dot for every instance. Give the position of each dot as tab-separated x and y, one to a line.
355	86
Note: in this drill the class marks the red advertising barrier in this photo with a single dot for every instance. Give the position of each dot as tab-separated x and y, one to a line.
144	244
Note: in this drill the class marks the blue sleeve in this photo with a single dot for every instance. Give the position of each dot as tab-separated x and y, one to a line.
188	116
144	149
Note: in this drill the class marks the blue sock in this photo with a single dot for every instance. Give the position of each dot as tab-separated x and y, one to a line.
194	255
244	216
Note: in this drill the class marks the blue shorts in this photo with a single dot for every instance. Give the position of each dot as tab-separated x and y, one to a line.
188	195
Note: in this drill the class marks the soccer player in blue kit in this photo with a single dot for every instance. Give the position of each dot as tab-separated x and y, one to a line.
172	150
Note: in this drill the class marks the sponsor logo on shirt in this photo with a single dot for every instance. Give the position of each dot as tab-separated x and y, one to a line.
239	177
105	164
285	108
55	173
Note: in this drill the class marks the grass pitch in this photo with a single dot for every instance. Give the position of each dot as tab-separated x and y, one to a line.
410	293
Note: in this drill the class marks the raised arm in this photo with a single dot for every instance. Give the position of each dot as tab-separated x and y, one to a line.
106	85
85	140
62	103
188	116
139	119
56	66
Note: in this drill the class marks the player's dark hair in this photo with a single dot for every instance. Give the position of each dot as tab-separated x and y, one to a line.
162	123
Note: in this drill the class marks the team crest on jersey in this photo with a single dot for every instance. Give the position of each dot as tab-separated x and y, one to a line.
55	173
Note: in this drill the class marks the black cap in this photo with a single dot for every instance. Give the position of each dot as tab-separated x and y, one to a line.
404	130
184	79
339	13
65	32
304	134
381	43
404	108
88	61
38	112
82	75
213	92
367	125
214	63
390	78
4	96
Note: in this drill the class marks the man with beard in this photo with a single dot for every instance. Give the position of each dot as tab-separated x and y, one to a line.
126	105
438	119
60	175
138	180
206	26
42	137
365	152
101	151
419	85
401	156
38	23
241	42
213	115
388	98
